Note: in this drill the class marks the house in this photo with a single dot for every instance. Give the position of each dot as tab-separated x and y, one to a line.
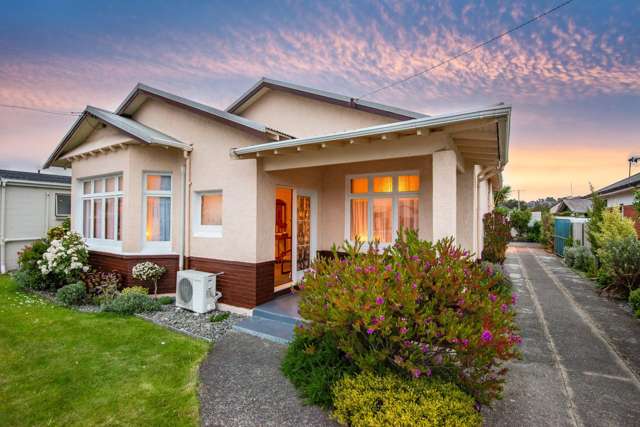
620	194
256	190
30	203
572	206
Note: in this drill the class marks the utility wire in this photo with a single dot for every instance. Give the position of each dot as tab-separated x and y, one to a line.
40	110
466	52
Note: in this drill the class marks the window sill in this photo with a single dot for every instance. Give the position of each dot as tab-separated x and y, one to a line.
208	234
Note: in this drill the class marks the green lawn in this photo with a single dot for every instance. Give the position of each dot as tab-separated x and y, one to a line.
62	367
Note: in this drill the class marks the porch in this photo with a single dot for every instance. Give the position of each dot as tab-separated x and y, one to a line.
273	320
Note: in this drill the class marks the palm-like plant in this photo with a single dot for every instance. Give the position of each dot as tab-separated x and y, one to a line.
501	196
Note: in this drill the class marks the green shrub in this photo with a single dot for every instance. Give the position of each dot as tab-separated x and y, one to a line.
502	283
569	255
313	365
219	317
546	233
135	290
58	232
165	300
621	261
73	294
603	278
613	227
416	307
634	301
102	286
391	400
595	214
29	275
535	232
519	219
65	260
497	232
584	260
132	303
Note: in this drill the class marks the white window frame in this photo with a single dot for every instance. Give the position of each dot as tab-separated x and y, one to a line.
156	246
118	194
58	214
394	195
200	230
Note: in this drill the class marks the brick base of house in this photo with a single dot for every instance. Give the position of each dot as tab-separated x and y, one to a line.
243	284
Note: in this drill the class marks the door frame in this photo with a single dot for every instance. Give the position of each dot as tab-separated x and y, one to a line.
313	195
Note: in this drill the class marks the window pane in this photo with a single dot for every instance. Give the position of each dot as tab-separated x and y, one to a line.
408	183
86	218
109	218
98	186
97	219
382	220
159	182
86	187
119	219
359	185
158	219
110	184
211	212
120	183
408	213
359	219
382	184
63	204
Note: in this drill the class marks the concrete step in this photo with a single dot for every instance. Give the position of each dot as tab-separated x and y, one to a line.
266	313
269	329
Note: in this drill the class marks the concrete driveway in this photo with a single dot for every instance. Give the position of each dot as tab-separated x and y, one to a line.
581	352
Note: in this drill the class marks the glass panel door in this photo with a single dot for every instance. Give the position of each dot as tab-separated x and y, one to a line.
303	233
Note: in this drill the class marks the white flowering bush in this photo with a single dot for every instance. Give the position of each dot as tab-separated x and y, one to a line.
65	260
148	272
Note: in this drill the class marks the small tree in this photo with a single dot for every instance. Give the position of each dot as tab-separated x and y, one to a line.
497	231
598	206
520	220
148	271
546	236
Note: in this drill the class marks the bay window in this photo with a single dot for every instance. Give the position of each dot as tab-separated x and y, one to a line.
380	204
157	207
102	200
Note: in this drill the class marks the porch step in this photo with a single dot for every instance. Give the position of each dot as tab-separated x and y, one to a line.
272	330
267	313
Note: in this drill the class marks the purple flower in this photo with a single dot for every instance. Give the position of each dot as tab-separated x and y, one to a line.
465	342
427	265
381	318
493	297
403	330
424	348
388	267
514	299
370	269
437	359
486	335
515	339
428	373
370	331
398	277
414	285
379	300
461	302
415	258
417	373
358	269
504	308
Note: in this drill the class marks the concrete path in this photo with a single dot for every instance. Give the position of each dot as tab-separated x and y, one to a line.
241	385
581	355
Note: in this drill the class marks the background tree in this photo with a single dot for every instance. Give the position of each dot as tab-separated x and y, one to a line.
598	206
501	196
520	220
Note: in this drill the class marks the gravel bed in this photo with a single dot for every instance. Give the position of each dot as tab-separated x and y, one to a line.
194	324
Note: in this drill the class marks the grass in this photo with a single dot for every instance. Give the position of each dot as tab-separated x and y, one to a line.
62	367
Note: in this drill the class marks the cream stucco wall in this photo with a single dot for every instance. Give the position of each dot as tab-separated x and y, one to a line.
103	136
302	116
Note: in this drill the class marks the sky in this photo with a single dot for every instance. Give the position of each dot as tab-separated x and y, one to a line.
573	78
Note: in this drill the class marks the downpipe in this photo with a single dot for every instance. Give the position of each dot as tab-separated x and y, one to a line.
3	209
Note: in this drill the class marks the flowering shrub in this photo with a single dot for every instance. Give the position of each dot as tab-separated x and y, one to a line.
501	283
132	303
497	232
419	308
390	400
148	271
65	260
102	286
29	275
135	290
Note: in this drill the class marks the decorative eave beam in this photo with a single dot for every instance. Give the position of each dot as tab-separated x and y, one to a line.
459	159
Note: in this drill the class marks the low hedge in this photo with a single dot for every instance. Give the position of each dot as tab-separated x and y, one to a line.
132	303
391	400
73	294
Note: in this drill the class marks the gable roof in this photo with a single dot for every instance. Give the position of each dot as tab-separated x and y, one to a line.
82	128
573	204
141	92
35	177
630	182
265	83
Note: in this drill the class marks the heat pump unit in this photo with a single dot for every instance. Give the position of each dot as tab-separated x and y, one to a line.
196	291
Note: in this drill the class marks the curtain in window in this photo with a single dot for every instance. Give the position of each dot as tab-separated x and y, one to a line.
382	220
86	218
211	209
109	218
98	231
359	219
119	218
158	219
408	212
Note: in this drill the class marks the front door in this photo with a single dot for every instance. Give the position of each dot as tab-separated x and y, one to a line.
305	231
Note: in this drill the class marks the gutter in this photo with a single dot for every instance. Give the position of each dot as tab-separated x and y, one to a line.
426	122
183	209
3	209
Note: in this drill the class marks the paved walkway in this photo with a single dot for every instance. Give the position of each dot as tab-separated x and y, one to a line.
581	352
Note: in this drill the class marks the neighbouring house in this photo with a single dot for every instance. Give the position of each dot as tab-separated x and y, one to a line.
30	203
620	195
572	206
257	190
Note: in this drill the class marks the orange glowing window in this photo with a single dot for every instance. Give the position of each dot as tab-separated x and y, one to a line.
360	219
359	185
407	183
382	184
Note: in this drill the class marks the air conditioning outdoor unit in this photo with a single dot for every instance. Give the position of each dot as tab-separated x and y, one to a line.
196	291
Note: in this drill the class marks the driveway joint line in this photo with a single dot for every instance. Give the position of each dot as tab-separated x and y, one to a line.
568	391
589	321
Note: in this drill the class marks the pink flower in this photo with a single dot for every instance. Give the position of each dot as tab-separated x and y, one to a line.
504	308
370	331
388	267
493	297
424	348
379	300
358	269
416	373
514	299
486	335
415	258
428	373
381	318
403	330
465	342
414	285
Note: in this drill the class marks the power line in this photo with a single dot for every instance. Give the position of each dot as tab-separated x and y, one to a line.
466	52
40	110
